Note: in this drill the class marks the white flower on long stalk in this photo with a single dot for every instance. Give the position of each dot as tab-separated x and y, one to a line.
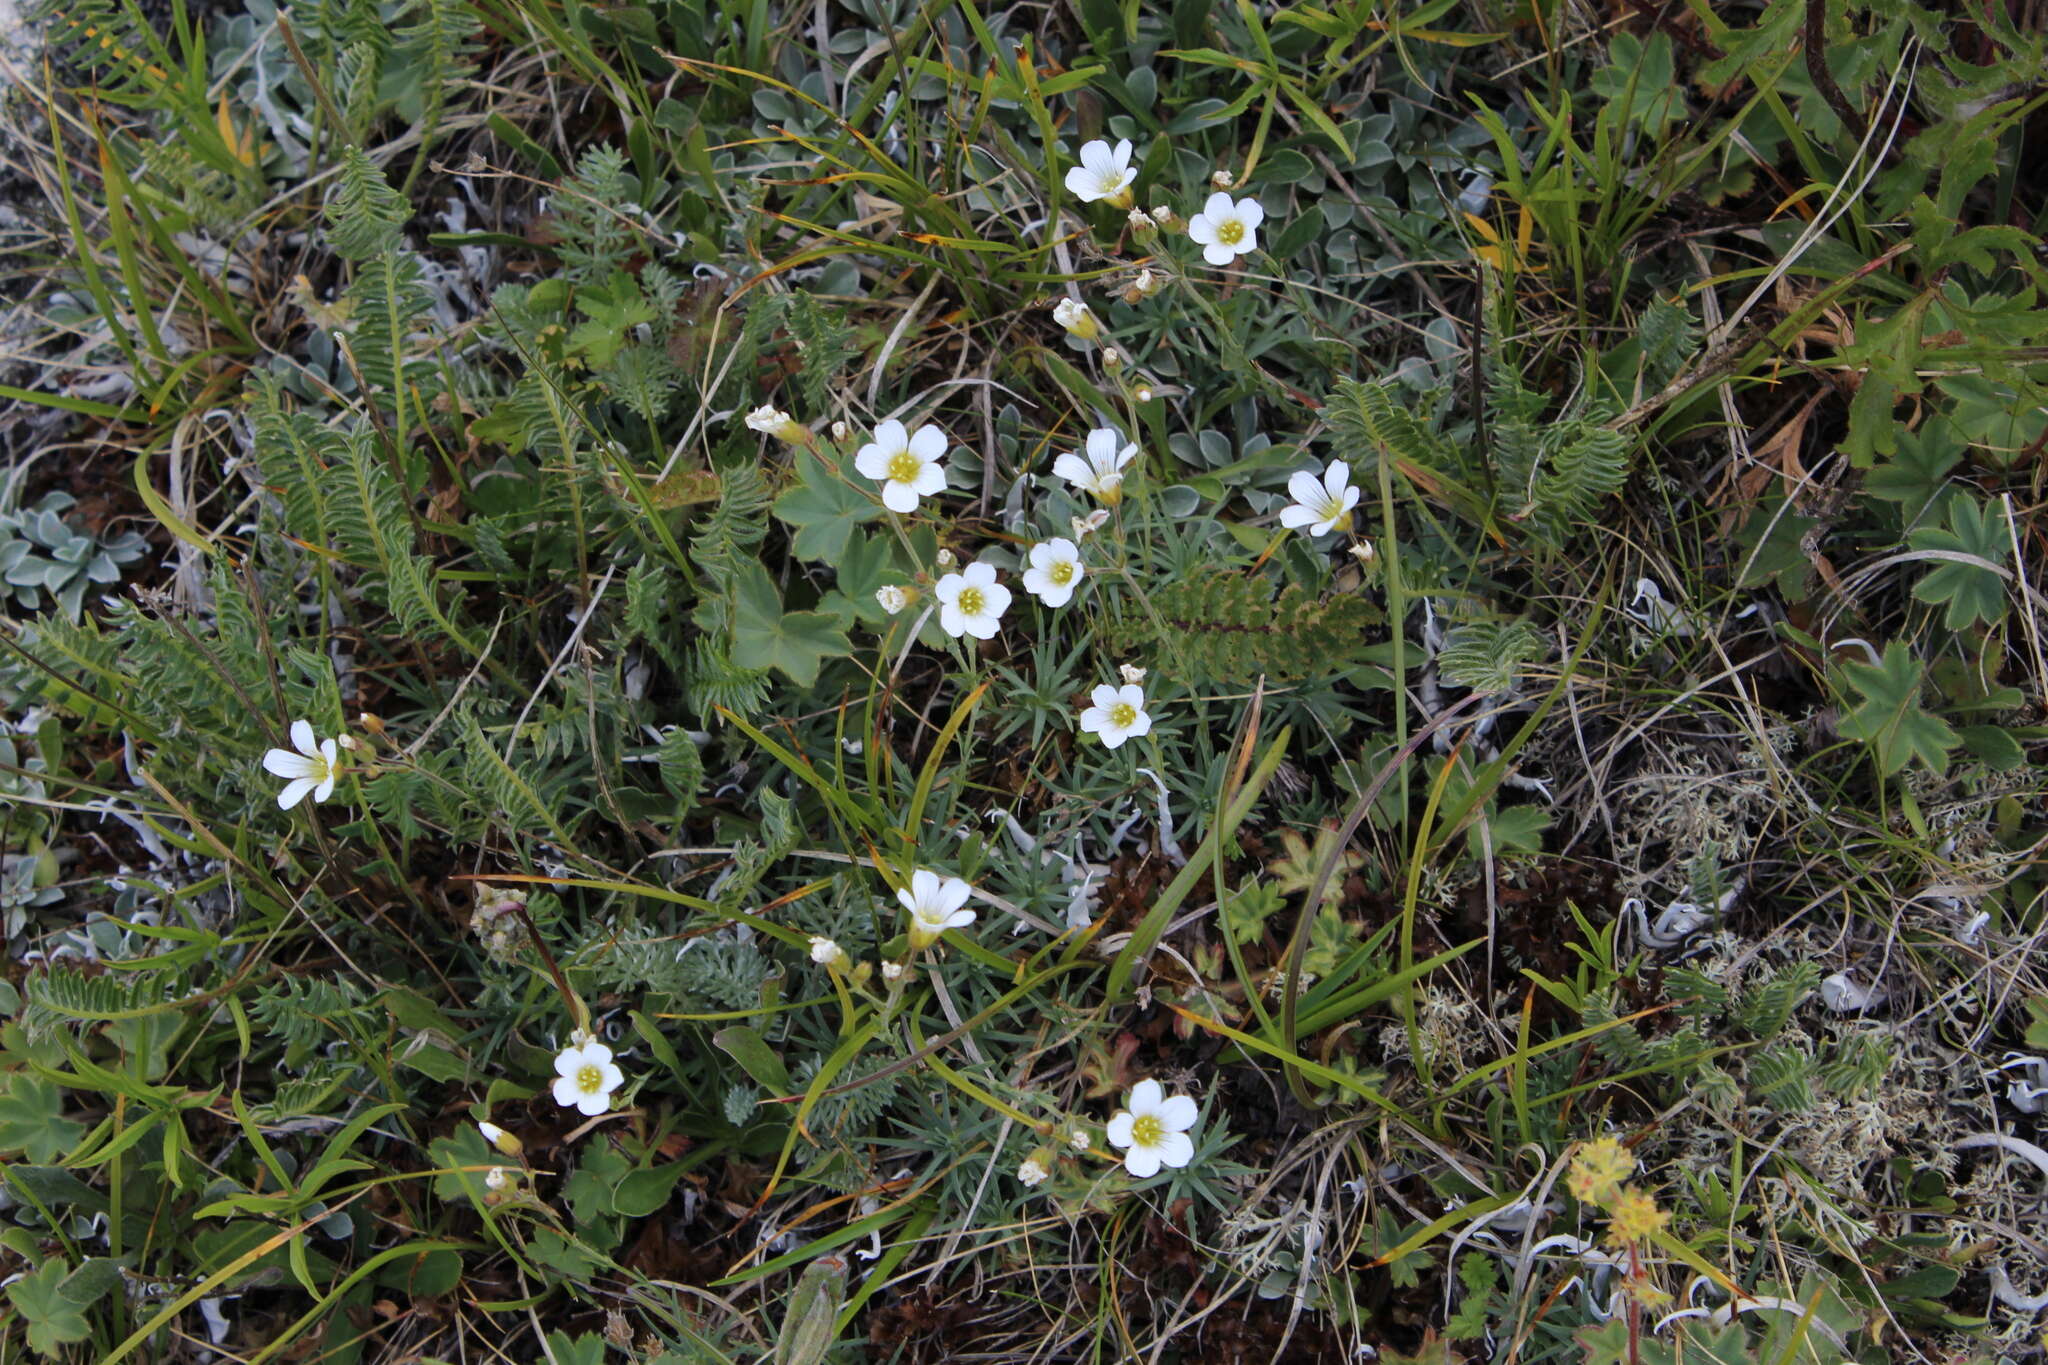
1101	470
585	1077
1055	571
1117	715
312	769
1226	230
826	953
1322	505
1154	1130
907	466
971	602
936	904
1105	174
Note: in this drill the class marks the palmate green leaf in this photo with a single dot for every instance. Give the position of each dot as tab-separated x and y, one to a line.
53	1300
823	510
795	643
32	1122
1890	718
1972	593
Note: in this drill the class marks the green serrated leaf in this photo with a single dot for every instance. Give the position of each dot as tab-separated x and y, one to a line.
32	1122
795	643
1890	718
1971	592
823	509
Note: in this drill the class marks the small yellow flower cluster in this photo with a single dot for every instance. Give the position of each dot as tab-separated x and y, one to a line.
1596	1176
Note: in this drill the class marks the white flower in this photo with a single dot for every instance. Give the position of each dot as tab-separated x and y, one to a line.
1032	1171
499	1138
496	1179
311	769
892	971
1131	673
945	558
772	421
1078	1139
1363	552
1105	174
935	905
906	466
1101	471
1076	319
585	1077
1321	505
1155	1130
1144	287
971	602
1225	230
826	953
1141	223
1222	180
840	431
893	599
1117	715
1055	572
1112	359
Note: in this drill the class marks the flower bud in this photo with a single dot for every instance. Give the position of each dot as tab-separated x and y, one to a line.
1141	224
828	954
1035	1167
1222	180
770	421
1090	524
1076	319
892	972
892	598
1132	674
1144	287
947	559
1112	359
500	1139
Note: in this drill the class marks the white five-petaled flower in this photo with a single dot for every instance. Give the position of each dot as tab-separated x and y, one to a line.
1226	230
907	466
971	602
1154	1131
312	769
1105	174
935	904
1117	715
1076	319
826	953
1101	470
585	1077
1032	1171
1055	572
1323	505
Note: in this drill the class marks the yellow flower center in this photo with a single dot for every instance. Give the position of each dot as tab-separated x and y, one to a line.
904	467
1146	1131
589	1079
1062	571
970	601
1230	231
1123	716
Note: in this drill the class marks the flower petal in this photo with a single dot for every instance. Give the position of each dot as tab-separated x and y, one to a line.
1104	696
613	1077
1218	254
930	480
1093	719
1120	1129
1179	1113
1294	514
285	763
1145	1097
891	436
872	461
1174	1149
1073	469
325	789
1201	230
1131	695
1218	207
1142	1162
567	1093
983	627
979	575
899	497
1251	213
951	895
590	1106
952	620
924	884
959	919
596	1054
1139	727
1335	477
929	443
1081	184
995	598
567	1060
295	792
1305	488
302	738
1113	736
1120	156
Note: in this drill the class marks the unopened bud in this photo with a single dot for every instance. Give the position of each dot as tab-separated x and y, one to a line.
1076	319
500	1139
